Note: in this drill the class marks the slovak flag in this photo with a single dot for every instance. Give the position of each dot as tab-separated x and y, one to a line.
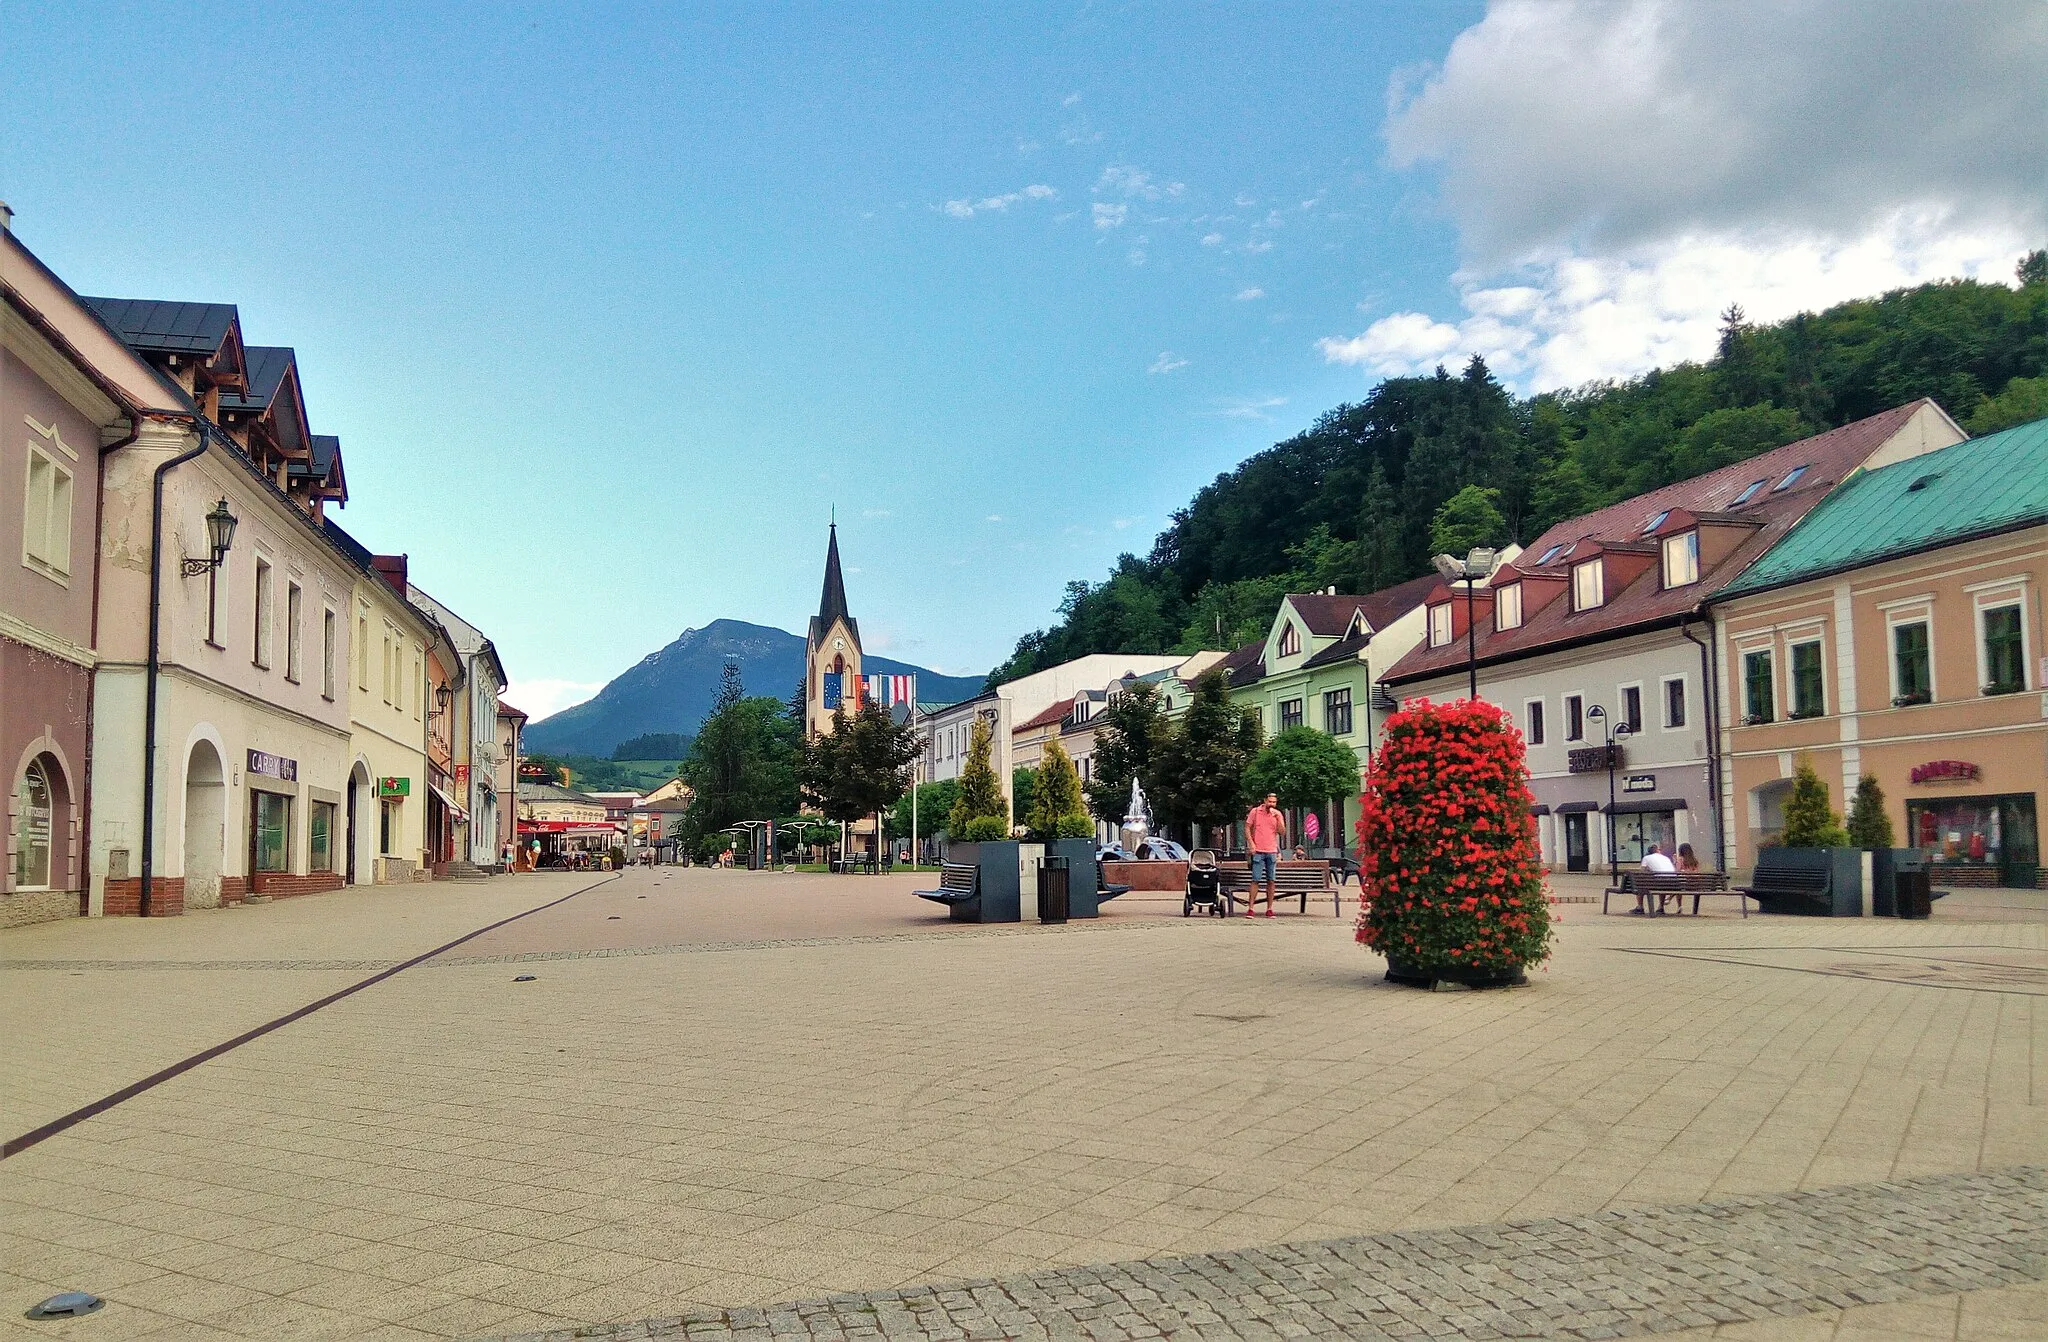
890	690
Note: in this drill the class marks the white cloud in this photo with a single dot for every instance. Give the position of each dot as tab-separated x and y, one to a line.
1136	256
876	512
1122	523
1028	146
993	517
1247	295
1131	184
1070	100
1109	216
1166	362
1212	239
1259	245
1250	407
542	697
1619	171
967	209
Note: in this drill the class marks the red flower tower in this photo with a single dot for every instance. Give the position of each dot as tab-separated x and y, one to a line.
1451	876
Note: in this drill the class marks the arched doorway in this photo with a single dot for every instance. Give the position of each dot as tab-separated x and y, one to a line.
40	812
358	794
206	803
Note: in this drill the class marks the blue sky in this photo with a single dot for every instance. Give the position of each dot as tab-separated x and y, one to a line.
611	306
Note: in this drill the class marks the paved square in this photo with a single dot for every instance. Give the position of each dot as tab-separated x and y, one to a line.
722	1090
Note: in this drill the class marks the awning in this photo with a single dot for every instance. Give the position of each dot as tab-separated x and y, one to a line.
1639	807
461	816
571	828
1573	807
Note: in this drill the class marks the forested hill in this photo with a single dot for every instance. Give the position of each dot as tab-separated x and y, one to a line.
1352	501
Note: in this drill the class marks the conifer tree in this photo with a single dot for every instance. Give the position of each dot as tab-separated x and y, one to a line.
979	814
1057	811
1869	826
1809	819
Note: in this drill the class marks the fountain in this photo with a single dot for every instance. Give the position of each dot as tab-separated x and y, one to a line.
1137	820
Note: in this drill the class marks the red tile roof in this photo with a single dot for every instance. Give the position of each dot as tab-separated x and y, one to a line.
1055	713
1643	602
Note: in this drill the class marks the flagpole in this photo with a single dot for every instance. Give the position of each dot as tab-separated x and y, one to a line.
916	768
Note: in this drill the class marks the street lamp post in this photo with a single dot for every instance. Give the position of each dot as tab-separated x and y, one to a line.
1613	734
1477	564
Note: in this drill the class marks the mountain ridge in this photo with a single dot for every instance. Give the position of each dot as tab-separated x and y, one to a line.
672	688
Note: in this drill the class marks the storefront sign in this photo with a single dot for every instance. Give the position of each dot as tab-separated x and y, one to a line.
394	787
1944	771
1639	783
1594	759
462	775
273	766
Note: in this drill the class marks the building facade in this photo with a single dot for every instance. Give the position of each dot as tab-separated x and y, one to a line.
832	671
1897	635
473	685
1597	640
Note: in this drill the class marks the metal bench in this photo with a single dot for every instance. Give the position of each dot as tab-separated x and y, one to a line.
959	890
1815	882
1676	885
1292	879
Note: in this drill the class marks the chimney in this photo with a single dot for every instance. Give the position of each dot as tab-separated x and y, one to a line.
6	217
391	568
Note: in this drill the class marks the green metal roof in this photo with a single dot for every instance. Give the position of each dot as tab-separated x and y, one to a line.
1976	488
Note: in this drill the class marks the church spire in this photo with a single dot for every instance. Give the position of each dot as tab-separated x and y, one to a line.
832	603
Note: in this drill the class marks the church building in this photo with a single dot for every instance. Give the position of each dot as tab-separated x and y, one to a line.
831	650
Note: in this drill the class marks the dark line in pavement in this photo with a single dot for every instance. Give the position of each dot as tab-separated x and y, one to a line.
151	1082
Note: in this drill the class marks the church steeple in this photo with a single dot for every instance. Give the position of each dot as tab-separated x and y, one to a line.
832	602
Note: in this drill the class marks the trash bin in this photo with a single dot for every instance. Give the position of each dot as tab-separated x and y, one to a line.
1911	893
1052	890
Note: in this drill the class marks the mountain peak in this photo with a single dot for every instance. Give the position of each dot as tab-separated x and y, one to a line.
672	688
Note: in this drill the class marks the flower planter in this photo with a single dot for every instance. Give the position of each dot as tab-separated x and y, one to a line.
1420	976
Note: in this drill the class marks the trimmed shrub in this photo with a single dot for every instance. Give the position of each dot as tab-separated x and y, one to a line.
1869	826
1809	818
983	829
1450	873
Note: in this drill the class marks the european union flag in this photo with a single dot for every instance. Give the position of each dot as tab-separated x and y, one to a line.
832	689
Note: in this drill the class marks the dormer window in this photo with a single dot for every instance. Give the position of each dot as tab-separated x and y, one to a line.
1440	625
1746	495
1791	479
1550	554
1656	522
1507	607
1290	640
1589	588
1682	559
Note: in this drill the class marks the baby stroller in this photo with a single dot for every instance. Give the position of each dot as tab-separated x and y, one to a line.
1205	885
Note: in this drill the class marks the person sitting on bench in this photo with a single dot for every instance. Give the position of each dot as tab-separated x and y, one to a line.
1654	864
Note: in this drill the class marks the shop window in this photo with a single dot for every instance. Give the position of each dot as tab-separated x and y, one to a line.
1995	832
1290	713
1589	587
1632	707
1337	712
261	640
294	612
1440	625
1759	696
2004	659
1674	702
34	815
271	845
320	837
1290	640
1809	692
1574	718
1534	711
1507	607
363	651
1912	667
46	517
387	825
1634	833
1682	559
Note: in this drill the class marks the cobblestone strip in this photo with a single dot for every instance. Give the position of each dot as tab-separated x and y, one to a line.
1613	1274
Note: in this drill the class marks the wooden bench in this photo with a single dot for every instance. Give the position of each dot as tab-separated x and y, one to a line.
1292	879
959	890
1663	885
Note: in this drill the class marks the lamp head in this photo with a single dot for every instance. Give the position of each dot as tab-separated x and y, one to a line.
1596	712
220	530
1479	562
1450	566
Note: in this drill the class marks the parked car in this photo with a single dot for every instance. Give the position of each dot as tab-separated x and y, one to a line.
1113	852
1161	850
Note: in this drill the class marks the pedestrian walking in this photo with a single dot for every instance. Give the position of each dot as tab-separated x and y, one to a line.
1265	828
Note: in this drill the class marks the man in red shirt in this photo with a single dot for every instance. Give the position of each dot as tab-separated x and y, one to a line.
1266	830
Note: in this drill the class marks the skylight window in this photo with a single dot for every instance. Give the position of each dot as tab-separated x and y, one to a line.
1656	521
1746	495
1550	554
1791	479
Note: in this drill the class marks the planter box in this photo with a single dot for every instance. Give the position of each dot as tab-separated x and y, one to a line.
999	862
1081	878
1428	976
